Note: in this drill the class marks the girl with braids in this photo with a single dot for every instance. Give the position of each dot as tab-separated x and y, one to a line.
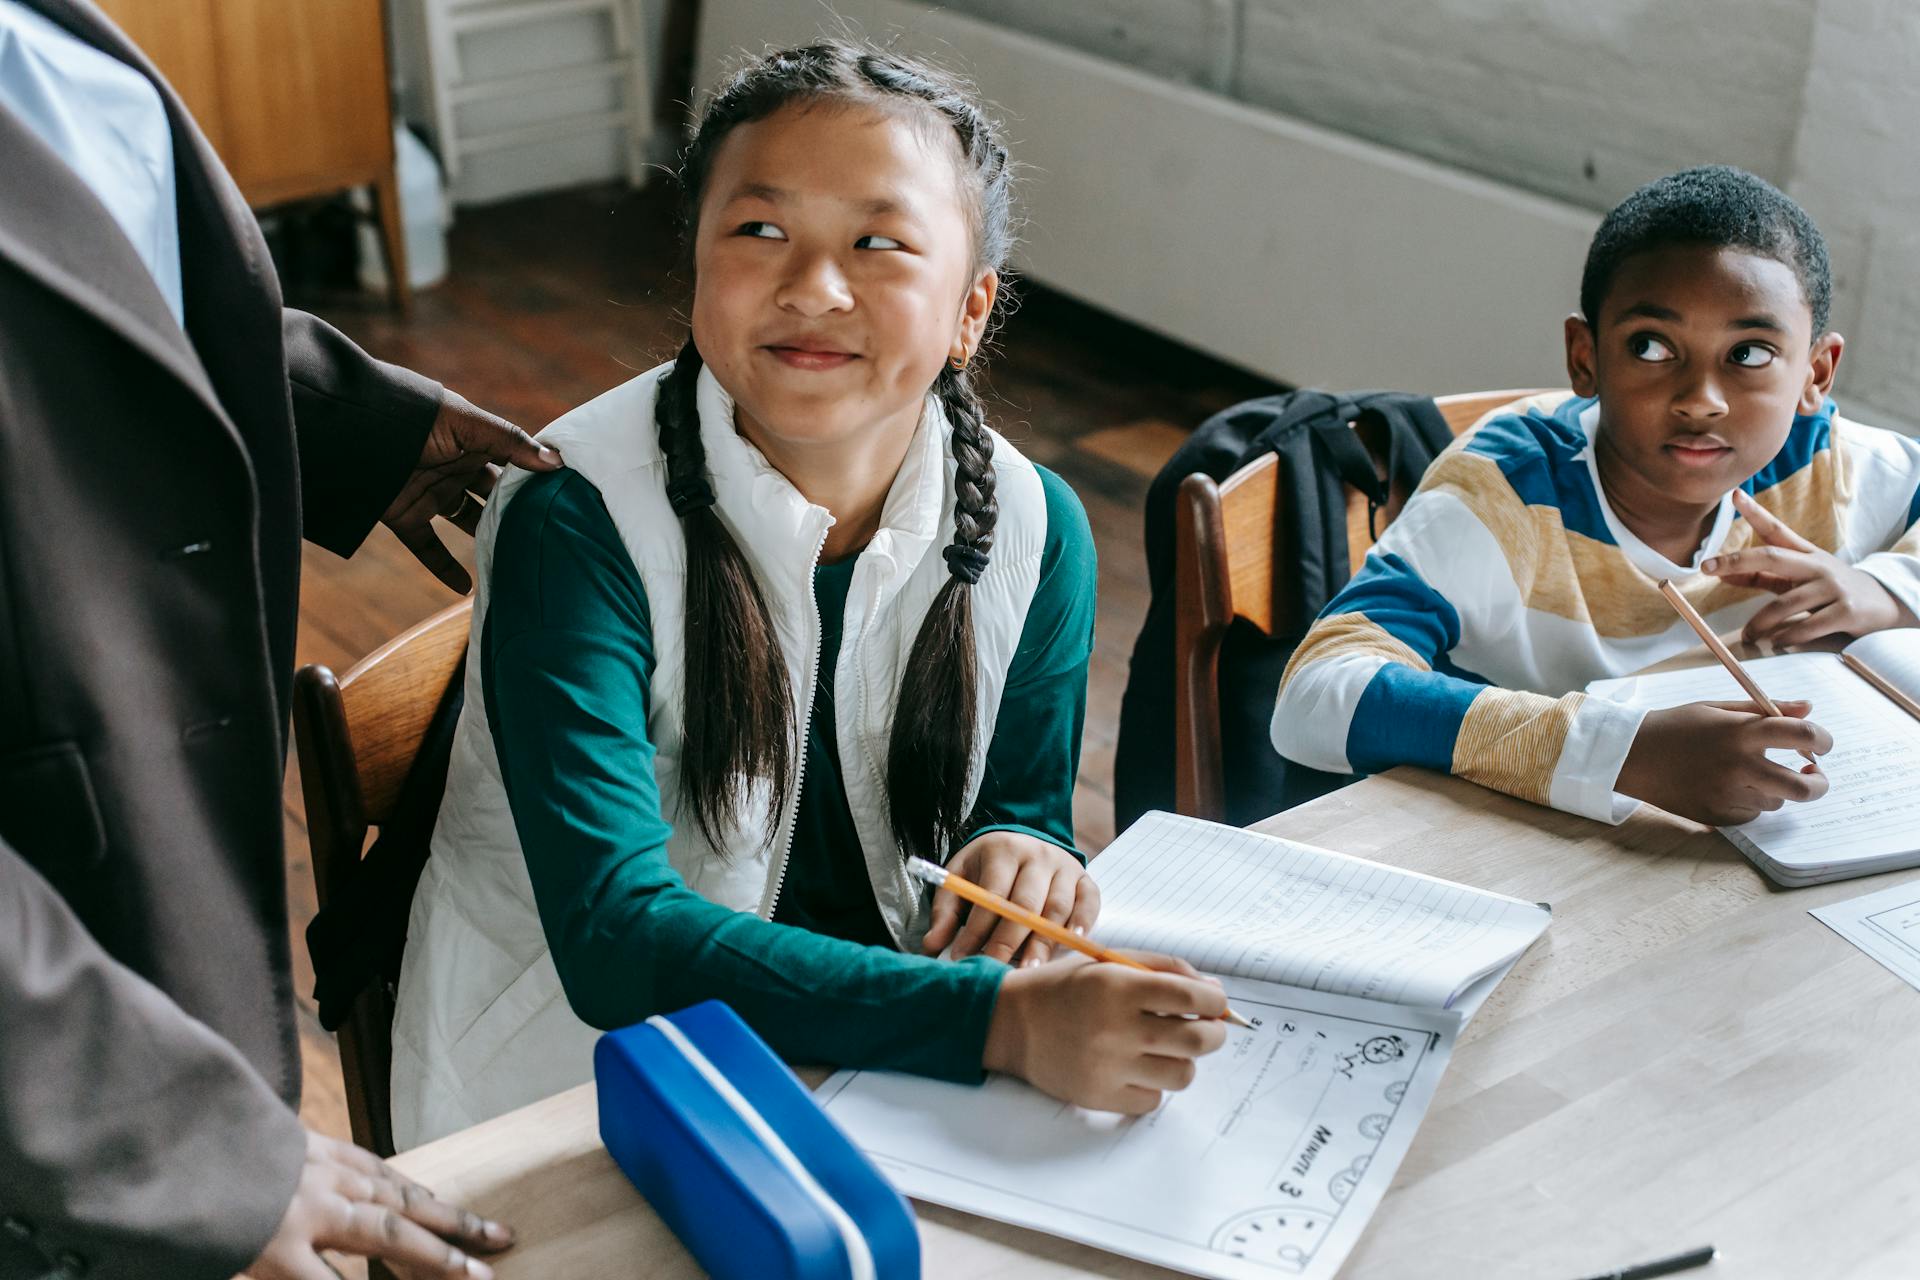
792	613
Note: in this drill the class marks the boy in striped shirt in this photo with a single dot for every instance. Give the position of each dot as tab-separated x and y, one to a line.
1699	444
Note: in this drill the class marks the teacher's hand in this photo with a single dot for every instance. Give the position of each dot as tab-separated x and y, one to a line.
458	468
350	1201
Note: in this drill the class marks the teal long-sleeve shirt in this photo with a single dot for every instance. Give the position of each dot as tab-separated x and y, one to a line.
567	655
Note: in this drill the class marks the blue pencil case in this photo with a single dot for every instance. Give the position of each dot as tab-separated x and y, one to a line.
730	1149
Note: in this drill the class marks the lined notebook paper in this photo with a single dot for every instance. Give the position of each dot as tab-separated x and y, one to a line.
1869	820
1232	902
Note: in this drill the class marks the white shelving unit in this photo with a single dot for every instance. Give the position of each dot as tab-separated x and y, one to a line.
528	95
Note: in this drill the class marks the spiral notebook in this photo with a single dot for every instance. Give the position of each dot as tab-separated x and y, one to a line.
1868	697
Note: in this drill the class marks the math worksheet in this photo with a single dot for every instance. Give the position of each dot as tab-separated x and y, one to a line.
1269	1164
1885	925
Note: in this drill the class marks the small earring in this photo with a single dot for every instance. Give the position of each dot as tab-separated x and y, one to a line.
957	363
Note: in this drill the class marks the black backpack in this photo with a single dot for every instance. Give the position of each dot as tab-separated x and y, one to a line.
1320	455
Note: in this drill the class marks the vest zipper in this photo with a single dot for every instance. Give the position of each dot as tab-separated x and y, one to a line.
866	751
792	819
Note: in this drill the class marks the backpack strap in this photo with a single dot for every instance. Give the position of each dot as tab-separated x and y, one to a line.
1341	449
1417	432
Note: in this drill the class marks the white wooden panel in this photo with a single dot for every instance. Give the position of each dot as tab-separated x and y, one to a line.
1300	253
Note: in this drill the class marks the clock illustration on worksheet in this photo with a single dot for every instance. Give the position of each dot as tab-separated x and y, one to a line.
1384	1049
1278	1236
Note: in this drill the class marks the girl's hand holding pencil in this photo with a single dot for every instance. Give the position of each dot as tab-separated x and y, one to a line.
1104	1029
1110	1037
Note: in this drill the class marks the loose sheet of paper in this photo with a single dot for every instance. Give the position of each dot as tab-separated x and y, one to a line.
1885	925
1230	901
1872	808
1269	1164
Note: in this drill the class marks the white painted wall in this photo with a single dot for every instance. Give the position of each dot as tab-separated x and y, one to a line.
1302	253
1584	100
1856	167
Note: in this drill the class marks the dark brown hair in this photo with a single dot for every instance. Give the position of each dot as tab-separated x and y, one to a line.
739	715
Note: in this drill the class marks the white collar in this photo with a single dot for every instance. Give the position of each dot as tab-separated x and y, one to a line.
756	496
1644	557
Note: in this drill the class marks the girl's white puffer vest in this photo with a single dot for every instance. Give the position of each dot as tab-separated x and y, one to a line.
482	1025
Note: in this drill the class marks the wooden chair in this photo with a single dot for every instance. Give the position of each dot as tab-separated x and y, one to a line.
1224	568
357	737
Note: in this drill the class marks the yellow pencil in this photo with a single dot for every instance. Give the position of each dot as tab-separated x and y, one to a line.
1720	651
941	878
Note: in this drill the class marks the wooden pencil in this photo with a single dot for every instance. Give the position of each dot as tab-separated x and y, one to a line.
1720	651
941	878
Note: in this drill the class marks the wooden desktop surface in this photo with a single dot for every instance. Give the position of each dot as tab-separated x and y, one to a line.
1686	1057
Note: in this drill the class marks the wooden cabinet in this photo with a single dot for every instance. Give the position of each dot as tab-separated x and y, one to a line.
292	93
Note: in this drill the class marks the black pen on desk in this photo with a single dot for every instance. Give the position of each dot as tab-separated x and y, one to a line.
1664	1267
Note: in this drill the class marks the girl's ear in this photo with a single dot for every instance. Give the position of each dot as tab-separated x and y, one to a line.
1580	357
1821	370
975	309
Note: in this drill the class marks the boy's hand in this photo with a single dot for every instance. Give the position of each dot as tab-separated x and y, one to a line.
1041	877
1708	761
1817	594
1103	1035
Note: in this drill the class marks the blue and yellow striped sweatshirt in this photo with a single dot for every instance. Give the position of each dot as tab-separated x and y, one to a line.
1508	584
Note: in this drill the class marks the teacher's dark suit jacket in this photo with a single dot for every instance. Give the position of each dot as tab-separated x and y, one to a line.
154	488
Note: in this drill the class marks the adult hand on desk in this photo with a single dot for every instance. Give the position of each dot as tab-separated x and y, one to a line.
459	465
1042	877
1816	593
1708	760
1103	1035
349	1201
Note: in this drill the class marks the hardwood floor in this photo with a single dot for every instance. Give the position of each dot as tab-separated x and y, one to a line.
554	299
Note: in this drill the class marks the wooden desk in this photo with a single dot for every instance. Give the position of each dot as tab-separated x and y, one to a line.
1687	1057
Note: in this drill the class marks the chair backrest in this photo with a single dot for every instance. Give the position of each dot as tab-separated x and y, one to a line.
358	735
1224	569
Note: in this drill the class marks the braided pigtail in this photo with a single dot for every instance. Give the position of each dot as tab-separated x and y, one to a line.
935	722
738	705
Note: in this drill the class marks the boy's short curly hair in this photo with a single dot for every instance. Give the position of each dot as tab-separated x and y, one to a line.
1715	205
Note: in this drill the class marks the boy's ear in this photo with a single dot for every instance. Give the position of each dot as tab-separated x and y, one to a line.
1821	369
975	310
1580	371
